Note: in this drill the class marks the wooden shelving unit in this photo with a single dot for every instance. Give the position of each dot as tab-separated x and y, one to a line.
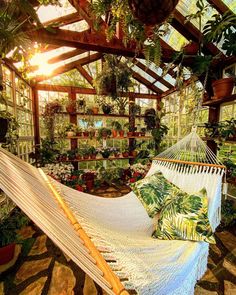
116	138
216	102
100	159
100	115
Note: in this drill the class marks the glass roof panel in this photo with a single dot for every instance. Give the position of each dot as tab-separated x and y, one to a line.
143	74
50	12
78	26
231	4
174	38
161	86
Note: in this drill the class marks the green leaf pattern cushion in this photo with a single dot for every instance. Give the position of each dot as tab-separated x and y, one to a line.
184	217
152	191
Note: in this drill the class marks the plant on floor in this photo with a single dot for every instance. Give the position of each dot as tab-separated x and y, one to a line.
115	77
8	234
228	213
228	129
10	138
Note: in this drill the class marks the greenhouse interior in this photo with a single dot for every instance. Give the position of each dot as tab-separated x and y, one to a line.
117	147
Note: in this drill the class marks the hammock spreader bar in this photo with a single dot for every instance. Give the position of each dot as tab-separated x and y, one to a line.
115	283
190	163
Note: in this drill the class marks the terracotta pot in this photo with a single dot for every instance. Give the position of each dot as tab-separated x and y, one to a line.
152	12
86	157
136	133
79	134
129	134
70	134
95	110
71	108
142	133
7	253
223	87
133	153
114	133
3	129
93	156
121	133
89	184
78	157
125	154
86	134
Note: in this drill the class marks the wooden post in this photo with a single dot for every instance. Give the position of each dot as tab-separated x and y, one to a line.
214	115
35	103
73	120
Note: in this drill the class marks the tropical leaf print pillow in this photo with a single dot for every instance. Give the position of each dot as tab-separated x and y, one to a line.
152	191
184	217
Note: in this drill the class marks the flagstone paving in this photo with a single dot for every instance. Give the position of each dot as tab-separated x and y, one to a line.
42	268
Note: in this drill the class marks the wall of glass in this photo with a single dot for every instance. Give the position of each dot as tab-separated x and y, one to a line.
19	103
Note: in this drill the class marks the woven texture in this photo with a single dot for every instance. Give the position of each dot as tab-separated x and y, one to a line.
120	227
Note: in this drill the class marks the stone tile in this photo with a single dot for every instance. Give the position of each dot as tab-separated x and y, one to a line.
8	265
39	246
229	288
216	249
35	288
201	291
228	239
63	280
209	276
109	195
26	232
230	267
1	288
89	286
111	189
31	268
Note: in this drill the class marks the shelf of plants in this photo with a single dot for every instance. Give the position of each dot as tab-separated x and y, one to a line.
219	101
118	137
100	159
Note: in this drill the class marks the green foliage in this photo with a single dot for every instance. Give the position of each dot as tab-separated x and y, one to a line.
116	125
222	28
228	213
115	77
12	132
9	225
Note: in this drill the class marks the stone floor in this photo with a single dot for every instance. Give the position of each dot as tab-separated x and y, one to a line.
42	269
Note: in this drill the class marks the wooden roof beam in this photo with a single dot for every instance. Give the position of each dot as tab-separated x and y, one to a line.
68	67
190	32
66	55
152	73
85	74
64	20
146	83
90	41
91	91
219	5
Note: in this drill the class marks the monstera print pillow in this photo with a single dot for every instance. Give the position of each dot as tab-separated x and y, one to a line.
152	191
184	217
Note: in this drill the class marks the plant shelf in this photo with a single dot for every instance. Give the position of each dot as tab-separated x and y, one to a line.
118	137
100	115
100	159
215	102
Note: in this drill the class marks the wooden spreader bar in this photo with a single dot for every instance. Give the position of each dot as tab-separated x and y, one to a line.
108	274
190	163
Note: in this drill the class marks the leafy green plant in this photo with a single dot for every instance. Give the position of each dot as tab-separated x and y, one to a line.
10	225
228	213
222	28
115	77
116	125
103	132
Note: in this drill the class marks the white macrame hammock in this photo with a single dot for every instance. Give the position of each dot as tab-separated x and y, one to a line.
128	258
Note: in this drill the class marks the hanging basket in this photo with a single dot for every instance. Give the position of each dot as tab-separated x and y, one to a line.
152	12
3	129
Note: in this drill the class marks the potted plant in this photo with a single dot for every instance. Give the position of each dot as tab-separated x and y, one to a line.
104	132
70	105
85	133
106	152
116	127
8	234
107	108
125	152
143	131
92	152
116	152
121	103
91	132
77	130
78	154
71	155
70	130
88	177
85	153
115	77
228	129
212	129
127	129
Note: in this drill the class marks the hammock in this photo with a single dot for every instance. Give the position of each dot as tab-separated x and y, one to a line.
124	257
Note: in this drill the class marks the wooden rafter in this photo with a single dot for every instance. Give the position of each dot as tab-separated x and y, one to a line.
90	41
65	56
219	5
70	66
190	32
64	20
152	73
85	74
90	91
145	82
174	89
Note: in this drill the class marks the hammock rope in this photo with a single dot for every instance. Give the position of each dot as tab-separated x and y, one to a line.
120	228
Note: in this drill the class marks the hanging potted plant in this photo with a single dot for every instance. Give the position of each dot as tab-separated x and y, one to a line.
115	77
